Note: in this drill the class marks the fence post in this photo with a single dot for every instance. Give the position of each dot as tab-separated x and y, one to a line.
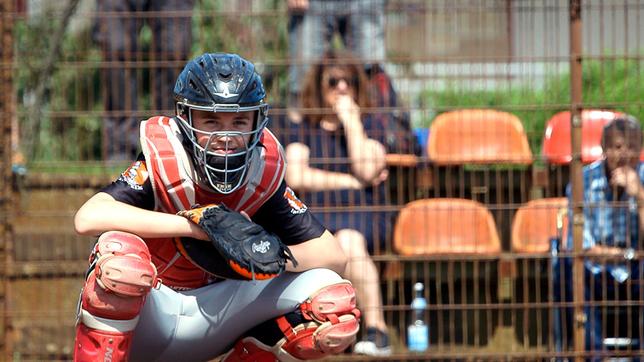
576	177
7	110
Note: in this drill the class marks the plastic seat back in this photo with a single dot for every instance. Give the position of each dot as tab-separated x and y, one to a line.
445	226
535	223
556	141
478	136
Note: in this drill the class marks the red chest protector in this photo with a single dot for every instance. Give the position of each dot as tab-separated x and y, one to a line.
171	174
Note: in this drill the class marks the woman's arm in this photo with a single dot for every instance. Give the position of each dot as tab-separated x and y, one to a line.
103	213
302	177
368	156
321	252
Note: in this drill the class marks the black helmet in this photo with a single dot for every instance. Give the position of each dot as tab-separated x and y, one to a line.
220	83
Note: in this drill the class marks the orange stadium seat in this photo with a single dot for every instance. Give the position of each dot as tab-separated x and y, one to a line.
479	136
535	223
556	142
445	226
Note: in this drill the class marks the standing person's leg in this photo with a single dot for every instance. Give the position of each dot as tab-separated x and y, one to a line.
172	39
117	36
308	36
366	30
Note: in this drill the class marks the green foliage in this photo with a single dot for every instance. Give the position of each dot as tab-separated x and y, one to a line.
260	36
64	124
607	84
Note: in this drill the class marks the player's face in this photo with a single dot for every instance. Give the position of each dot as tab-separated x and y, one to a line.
336	82
235	123
621	150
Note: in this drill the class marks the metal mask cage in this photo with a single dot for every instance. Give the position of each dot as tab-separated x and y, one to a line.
221	177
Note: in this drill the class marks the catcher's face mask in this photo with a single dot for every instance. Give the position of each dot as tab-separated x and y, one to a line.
216	87
222	141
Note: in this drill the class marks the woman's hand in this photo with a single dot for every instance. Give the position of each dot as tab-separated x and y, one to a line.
347	110
382	177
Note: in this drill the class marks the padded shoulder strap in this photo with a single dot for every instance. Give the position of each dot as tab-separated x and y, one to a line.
265	176
170	169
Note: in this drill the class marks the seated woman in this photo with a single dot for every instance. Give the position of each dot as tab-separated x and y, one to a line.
336	160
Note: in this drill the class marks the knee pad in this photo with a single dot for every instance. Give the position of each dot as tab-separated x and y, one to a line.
121	275
123	264
325	324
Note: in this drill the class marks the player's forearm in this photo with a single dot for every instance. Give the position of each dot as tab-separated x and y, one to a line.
102	213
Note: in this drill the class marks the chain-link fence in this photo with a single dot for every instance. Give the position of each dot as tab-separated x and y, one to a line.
474	97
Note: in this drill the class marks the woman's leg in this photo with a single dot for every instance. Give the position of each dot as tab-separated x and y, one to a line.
363	274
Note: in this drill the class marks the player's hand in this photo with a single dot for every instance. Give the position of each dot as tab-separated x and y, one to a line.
626	178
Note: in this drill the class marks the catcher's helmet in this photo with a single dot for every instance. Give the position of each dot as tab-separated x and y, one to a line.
220	82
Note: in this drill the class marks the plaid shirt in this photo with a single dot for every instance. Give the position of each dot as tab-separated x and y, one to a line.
605	223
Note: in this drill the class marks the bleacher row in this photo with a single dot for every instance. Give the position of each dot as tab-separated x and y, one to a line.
453	221
477	235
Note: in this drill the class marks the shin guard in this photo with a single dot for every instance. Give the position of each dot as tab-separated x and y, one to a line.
95	345
121	275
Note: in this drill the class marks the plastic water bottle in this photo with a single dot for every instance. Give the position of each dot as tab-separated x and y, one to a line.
417	331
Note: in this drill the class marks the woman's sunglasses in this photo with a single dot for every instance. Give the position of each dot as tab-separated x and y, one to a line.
334	81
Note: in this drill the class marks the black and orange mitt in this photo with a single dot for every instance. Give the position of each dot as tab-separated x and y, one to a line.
238	247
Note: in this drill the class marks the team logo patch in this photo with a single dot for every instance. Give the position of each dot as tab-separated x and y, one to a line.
297	206
135	176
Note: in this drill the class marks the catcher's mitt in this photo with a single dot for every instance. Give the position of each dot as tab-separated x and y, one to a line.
238	248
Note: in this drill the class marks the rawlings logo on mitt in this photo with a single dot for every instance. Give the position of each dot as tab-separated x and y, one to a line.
248	251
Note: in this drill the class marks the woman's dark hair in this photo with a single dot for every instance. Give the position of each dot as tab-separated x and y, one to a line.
312	99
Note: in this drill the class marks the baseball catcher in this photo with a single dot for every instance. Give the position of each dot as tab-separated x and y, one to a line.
172	282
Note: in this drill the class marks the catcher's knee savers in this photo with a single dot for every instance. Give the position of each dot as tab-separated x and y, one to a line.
122	276
331	322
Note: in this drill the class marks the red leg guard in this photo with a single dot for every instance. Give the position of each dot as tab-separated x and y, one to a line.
113	296
93	345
